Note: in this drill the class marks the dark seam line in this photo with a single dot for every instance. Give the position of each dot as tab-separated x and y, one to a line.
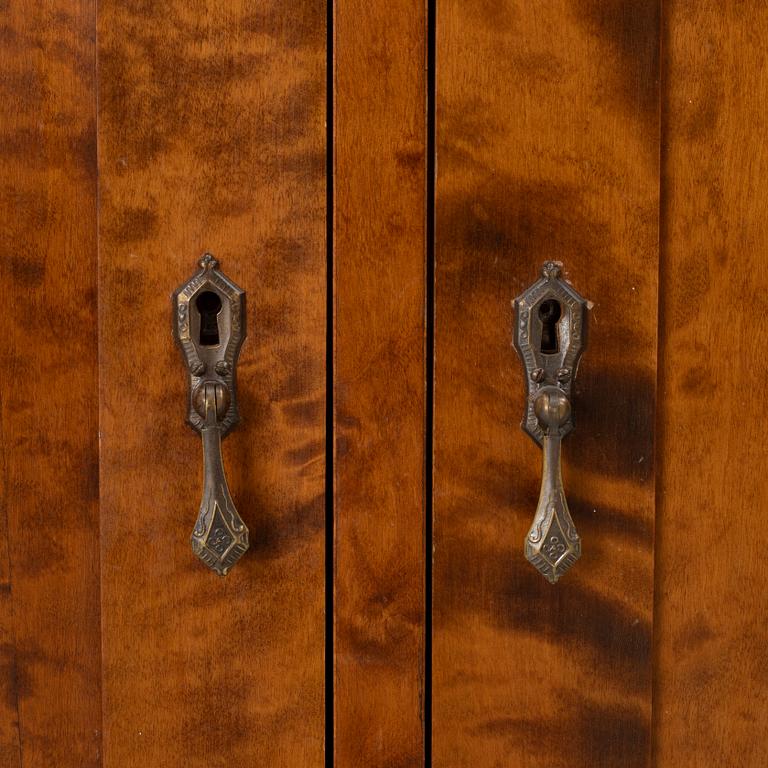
430	376
329	420
99	348
659	435
12	668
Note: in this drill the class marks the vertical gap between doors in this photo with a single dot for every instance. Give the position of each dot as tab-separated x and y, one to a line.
659	436
329	420
430	377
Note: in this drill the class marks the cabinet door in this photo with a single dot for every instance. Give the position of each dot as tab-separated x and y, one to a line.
211	137
119	647
526	672
623	139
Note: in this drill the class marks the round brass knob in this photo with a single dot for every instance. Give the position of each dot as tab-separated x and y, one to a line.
552	408
211	395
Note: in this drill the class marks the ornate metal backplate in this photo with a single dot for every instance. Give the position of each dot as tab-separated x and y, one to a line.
214	362
553	369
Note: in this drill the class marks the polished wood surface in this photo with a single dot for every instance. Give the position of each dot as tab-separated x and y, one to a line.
711	676
379	386
118	648
212	137
547	148
50	708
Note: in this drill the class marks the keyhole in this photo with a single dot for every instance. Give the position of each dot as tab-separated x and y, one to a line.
549	313
209	305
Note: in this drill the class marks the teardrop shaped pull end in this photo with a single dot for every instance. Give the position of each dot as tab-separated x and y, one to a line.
220	537
552	545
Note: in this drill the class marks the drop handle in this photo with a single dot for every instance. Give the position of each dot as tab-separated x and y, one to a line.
220	537
550	336
552	544
209	328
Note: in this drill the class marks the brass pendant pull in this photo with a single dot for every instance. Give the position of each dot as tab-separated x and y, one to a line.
209	327
550	336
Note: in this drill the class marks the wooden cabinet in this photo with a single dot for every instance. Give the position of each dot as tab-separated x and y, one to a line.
383	179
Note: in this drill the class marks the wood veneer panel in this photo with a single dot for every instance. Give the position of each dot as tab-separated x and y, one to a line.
379	389
49	584
50	710
212	137
547	148
711	679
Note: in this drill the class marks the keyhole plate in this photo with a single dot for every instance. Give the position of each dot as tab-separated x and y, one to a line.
549	361
209	327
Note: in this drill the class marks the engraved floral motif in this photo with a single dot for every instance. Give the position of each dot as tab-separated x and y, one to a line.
553	547
219	540
551	270
208	261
